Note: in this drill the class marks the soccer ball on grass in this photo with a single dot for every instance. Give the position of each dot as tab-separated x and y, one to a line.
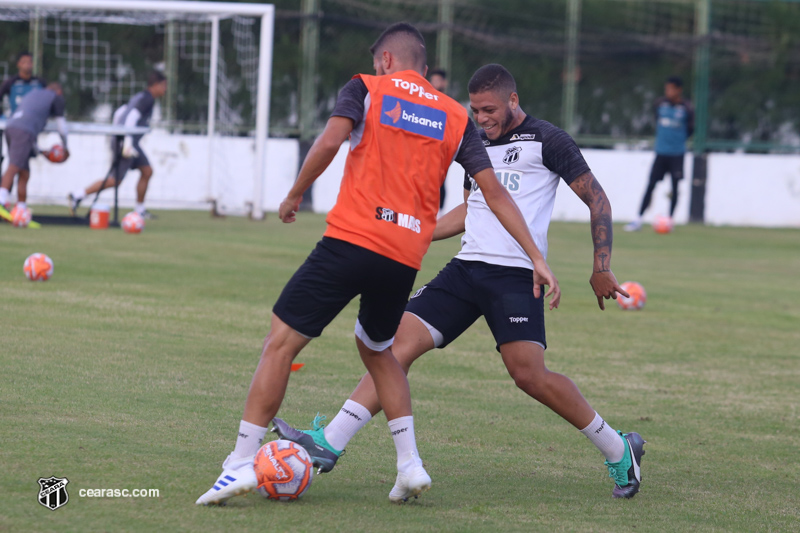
38	267
20	217
284	470
637	297
133	222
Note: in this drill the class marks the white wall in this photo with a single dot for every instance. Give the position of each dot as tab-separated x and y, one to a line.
752	190
181	166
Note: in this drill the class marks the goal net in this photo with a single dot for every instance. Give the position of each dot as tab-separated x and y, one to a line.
209	138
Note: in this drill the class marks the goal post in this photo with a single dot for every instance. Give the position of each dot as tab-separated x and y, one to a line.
162	12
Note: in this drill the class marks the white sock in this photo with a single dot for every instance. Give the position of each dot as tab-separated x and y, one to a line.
344	426
139	207
403	434
22	205
3	196
249	440
79	195
605	438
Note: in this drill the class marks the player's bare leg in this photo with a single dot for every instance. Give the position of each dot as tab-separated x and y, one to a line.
144	181
393	392
141	190
326	443
410	342
76	197
6	182
525	364
267	390
22	186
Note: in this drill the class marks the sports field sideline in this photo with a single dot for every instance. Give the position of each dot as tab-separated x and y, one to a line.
129	369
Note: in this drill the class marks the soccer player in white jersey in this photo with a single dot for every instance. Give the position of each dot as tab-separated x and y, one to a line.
491	276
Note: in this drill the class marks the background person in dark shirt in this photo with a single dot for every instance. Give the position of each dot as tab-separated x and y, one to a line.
674	125
24	82
18	86
137	112
25	125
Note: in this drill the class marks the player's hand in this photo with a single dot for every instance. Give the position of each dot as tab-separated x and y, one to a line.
288	209
129	152
543	276
605	286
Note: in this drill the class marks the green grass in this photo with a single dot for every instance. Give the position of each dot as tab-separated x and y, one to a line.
129	369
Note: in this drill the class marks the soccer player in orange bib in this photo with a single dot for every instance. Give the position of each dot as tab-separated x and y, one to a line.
403	137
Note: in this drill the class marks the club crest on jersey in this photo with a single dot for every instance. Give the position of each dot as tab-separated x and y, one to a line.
414	118
512	155
401	219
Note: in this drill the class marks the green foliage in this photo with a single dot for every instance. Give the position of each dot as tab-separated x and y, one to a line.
129	369
626	51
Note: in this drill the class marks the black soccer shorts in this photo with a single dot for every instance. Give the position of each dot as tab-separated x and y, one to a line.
335	273
465	290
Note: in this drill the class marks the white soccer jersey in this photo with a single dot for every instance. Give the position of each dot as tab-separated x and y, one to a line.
528	161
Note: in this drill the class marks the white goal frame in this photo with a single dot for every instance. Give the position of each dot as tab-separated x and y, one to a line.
215	11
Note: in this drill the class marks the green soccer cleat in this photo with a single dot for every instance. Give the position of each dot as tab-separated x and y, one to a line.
627	473
323	455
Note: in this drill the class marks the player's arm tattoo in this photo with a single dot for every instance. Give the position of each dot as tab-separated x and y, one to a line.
591	192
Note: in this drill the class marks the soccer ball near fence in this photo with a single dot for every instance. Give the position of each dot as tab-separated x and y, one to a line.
284	470
38	267
20	217
133	222
663	224
637	297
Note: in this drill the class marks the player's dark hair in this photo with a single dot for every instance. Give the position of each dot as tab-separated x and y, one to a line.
404	41
155	76
438	72
22	54
677	81
493	77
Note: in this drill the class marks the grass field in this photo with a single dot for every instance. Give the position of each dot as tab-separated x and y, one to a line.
130	367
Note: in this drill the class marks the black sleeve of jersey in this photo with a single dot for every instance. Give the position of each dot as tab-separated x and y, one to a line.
467	182
57	109
561	155
472	153
350	103
145	104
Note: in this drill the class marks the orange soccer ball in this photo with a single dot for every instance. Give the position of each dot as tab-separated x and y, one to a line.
20	217
663	224
133	222
284	470
57	154
637	297
38	267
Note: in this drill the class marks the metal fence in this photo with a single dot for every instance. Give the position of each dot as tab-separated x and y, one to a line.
593	67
